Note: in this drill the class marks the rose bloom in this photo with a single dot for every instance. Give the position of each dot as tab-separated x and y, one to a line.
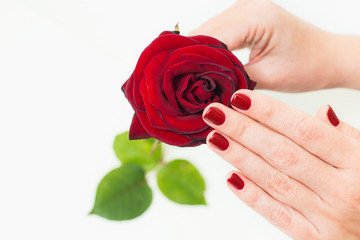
175	78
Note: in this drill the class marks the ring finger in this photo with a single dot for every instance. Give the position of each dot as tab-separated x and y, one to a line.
276	183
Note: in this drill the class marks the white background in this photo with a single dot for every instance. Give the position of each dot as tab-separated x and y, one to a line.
62	63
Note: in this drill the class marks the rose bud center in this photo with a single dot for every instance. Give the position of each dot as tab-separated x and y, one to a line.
197	90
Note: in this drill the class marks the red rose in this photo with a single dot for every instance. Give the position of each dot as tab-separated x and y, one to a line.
175	78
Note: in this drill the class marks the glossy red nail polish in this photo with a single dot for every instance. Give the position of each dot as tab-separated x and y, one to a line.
219	141
241	101
215	116
333	119
236	181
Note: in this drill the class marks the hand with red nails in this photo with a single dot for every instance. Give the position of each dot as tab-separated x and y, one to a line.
299	172
287	54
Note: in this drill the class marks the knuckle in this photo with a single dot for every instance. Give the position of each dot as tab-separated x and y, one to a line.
282	217
253	199
238	130
268	113
306	130
278	182
284	155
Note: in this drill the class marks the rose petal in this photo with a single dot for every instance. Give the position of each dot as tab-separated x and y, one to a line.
243	81
171	83
136	130
209	41
131	94
216	54
189	124
168	137
201	136
225	85
152	113
154	84
165	42
252	84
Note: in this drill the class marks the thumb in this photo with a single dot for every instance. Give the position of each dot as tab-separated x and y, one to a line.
235	26
327	115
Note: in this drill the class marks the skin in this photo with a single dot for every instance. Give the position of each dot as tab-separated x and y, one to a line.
304	176
287	53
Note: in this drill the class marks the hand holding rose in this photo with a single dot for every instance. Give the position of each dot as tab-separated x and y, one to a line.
300	172
287	54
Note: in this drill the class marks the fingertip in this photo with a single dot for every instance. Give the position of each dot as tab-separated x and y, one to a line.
321	113
217	142
215	104
235	180
332	118
209	136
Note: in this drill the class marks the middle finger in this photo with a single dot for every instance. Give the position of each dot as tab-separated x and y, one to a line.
276	149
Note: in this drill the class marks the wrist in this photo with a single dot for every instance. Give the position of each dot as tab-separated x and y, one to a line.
344	61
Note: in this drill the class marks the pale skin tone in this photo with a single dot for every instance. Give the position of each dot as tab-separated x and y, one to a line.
300	172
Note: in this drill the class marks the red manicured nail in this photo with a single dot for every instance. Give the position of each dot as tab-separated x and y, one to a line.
218	141
332	117
236	181
241	101
215	116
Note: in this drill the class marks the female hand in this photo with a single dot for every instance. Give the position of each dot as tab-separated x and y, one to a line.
299	172
287	53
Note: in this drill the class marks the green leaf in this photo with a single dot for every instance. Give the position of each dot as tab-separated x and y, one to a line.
181	182
122	194
141	152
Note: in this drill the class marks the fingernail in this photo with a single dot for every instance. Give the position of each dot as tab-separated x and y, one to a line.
218	141
215	116
241	101
332	117
236	181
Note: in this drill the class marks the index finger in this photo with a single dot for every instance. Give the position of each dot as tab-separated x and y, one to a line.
308	132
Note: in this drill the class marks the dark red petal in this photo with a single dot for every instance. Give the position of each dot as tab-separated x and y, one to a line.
168	137
134	97
209	41
165	42
242	79
181	83
185	124
136	130
239	65
154	85
191	108
170	81
201	136
225	85
166	33
216	54
252	84
152	113
233	58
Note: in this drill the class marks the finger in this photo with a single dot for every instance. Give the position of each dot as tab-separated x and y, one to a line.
280	215
280	152
224	27
235	27
327	115
313	135
274	182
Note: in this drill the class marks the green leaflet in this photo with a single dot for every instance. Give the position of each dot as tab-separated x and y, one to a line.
145	153
182	183
122	194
